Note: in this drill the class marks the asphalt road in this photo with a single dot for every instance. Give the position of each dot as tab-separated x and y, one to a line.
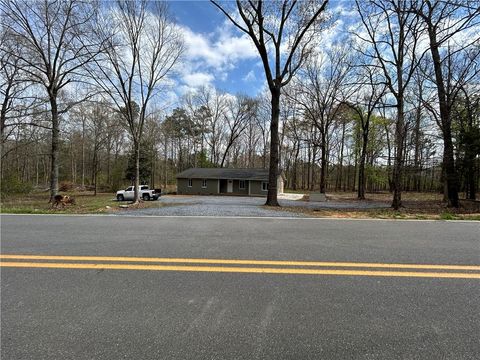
152	309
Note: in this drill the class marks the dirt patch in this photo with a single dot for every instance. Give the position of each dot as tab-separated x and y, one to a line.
420	209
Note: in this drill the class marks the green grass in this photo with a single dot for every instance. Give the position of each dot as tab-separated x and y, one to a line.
405	214
447	216
85	203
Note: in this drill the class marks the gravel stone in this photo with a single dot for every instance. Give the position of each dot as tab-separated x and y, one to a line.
238	206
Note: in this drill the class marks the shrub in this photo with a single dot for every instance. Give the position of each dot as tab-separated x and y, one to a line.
12	185
447	216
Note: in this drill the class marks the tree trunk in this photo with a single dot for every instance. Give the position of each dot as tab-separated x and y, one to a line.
451	177
338	184
154	167
361	167
273	170
95	170
417	164
470	179
166	163
470	183
54	156
323	170
136	144
398	163
295	167
83	152
309	165
224	157
355	167
36	171
314	159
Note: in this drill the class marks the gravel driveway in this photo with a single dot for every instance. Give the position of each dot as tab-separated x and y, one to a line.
238	206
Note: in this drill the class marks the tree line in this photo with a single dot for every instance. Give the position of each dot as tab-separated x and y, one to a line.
392	105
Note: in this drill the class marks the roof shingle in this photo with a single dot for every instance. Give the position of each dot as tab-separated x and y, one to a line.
222	173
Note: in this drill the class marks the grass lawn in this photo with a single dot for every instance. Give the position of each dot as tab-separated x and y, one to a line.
85	203
428	206
405	214
416	206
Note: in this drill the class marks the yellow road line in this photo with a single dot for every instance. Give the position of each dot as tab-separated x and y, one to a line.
240	270
241	262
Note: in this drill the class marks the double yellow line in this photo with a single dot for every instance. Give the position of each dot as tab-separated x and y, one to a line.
241	266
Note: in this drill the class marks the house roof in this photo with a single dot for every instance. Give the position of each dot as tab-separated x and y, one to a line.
222	173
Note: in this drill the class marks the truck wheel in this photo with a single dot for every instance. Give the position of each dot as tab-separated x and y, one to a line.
146	197
120	198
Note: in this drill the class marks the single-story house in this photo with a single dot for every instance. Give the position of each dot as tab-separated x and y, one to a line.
211	181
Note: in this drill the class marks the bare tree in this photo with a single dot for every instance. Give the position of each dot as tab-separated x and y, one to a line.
55	41
264	112
251	139
467	112
443	22
320	93
369	89
10	84
142	48
391	39
240	111
212	107
288	28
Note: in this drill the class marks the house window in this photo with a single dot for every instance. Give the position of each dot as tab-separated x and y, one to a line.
264	186
241	185
190	184
204	183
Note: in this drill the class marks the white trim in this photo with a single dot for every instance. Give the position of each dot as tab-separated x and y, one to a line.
190	183
265	182
204	181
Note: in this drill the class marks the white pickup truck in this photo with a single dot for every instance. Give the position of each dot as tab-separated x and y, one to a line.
144	193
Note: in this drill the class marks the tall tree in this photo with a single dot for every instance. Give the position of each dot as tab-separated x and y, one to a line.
213	105
56	44
320	93
369	90
466	110
392	38
288	28
142	46
240	111
443	22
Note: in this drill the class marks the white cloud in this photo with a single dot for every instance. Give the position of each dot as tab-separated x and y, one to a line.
220	49
249	77
210	57
197	78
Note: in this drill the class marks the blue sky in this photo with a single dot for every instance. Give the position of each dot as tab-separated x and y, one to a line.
216	52
201	16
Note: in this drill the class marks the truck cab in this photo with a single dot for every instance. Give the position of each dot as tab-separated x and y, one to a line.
144	192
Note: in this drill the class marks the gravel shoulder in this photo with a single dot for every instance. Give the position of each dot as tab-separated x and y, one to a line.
172	205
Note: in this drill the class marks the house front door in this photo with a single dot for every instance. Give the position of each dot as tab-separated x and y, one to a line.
230	186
